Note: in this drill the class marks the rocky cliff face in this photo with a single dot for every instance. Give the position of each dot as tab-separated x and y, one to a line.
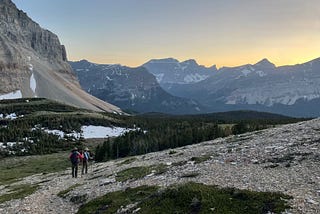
33	63
19	28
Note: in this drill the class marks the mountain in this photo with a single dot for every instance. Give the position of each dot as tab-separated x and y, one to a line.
171	71
133	89
291	90
33	63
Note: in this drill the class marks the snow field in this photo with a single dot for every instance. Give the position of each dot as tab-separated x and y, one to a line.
91	131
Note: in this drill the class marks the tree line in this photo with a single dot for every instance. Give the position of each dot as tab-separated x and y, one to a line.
161	134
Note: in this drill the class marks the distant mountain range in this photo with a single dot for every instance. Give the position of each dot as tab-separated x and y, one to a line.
132	89
290	90
171	71
33	63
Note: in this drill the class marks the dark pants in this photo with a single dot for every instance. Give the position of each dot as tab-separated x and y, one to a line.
84	167
74	170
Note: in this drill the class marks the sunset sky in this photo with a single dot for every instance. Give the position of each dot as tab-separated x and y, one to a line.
221	32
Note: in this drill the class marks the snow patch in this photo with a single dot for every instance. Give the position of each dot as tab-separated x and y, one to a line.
103	132
30	67
261	73
159	77
55	132
91	131
33	83
193	78
133	96
246	72
11	116
108	78
12	95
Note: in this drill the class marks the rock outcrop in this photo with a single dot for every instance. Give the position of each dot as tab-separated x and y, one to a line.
33	63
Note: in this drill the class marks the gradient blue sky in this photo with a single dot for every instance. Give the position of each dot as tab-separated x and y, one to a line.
221	32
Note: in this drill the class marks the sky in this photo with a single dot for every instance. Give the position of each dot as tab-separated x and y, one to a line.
220	32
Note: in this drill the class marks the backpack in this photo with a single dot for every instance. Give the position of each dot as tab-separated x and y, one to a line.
86	156
74	157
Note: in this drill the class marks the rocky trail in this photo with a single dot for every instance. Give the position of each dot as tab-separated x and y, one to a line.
284	159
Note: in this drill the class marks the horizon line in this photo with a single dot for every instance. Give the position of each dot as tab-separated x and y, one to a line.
181	61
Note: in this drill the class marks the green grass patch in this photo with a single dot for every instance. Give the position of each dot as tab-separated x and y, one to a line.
111	202
190	175
179	163
127	161
15	168
172	152
64	193
200	159
140	172
188	198
18	191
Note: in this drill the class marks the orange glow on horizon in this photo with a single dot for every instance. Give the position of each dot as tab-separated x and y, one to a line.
221	62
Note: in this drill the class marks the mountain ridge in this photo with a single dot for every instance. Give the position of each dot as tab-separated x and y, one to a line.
133	89
261	86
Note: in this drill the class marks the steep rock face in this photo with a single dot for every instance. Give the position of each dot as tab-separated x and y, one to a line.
133	89
33	63
18	27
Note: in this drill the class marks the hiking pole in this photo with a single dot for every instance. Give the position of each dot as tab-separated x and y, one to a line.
91	167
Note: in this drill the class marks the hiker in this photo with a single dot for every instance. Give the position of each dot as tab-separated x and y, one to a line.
85	160
75	157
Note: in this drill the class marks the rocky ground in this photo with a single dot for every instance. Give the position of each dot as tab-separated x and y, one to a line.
284	159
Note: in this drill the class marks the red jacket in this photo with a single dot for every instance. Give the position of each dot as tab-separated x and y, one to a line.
79	156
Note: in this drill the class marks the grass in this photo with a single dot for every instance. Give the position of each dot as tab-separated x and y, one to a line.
172	152
190	175
64	193
18	191
127	161
15	168
188	198
140	172
179	163
111	202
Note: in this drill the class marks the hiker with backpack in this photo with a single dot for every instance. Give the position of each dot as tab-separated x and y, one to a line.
75	158
85	160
